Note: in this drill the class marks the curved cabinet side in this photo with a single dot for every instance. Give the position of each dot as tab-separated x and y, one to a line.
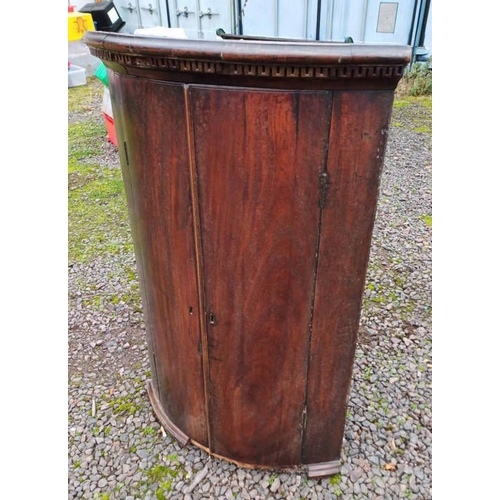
358	136
151	128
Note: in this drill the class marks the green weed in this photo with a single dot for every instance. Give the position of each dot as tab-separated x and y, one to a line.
124	404
335	479
427	219
417	81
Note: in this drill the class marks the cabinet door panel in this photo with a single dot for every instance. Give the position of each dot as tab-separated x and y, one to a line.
258	168
360	122
155	167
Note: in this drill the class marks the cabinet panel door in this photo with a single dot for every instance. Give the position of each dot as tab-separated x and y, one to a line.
259	155
155	164
360	121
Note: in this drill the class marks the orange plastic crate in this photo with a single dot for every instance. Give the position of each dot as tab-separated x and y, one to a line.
110	127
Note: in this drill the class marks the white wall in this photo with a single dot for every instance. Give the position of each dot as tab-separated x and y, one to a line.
285	18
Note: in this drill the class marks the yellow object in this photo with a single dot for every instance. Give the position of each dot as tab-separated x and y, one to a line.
78	24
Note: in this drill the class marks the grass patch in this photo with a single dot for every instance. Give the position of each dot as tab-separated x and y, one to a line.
162	476
335	479
427	219
86	139
124	404
416	81
423	129
97	210
401	103
337	491
131	274
423	100
158	473
97	213
165	487
413	113
81	97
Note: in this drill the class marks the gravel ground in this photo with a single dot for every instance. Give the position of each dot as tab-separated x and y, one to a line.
117	449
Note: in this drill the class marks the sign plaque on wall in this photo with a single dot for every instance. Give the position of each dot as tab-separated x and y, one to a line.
387	14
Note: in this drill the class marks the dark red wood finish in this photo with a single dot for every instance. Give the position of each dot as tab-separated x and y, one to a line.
158	182
252	171
358	134
258	170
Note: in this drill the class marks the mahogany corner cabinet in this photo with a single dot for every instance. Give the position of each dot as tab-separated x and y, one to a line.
251	170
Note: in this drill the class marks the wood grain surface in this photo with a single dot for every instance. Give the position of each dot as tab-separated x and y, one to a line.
252	171
301	64
157	172
358	134
258	166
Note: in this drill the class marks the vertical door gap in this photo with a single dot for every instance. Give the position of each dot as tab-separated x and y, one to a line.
323	186
194	191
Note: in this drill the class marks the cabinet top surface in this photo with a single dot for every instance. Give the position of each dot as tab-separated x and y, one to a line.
273	59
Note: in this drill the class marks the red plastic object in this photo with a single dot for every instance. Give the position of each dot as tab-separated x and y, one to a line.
71	8
110	127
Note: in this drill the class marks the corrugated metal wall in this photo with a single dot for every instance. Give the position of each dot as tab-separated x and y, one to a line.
371	21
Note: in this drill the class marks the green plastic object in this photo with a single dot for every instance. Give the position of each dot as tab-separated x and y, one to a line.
101	73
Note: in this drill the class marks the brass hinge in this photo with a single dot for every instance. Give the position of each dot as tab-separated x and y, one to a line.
324	184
